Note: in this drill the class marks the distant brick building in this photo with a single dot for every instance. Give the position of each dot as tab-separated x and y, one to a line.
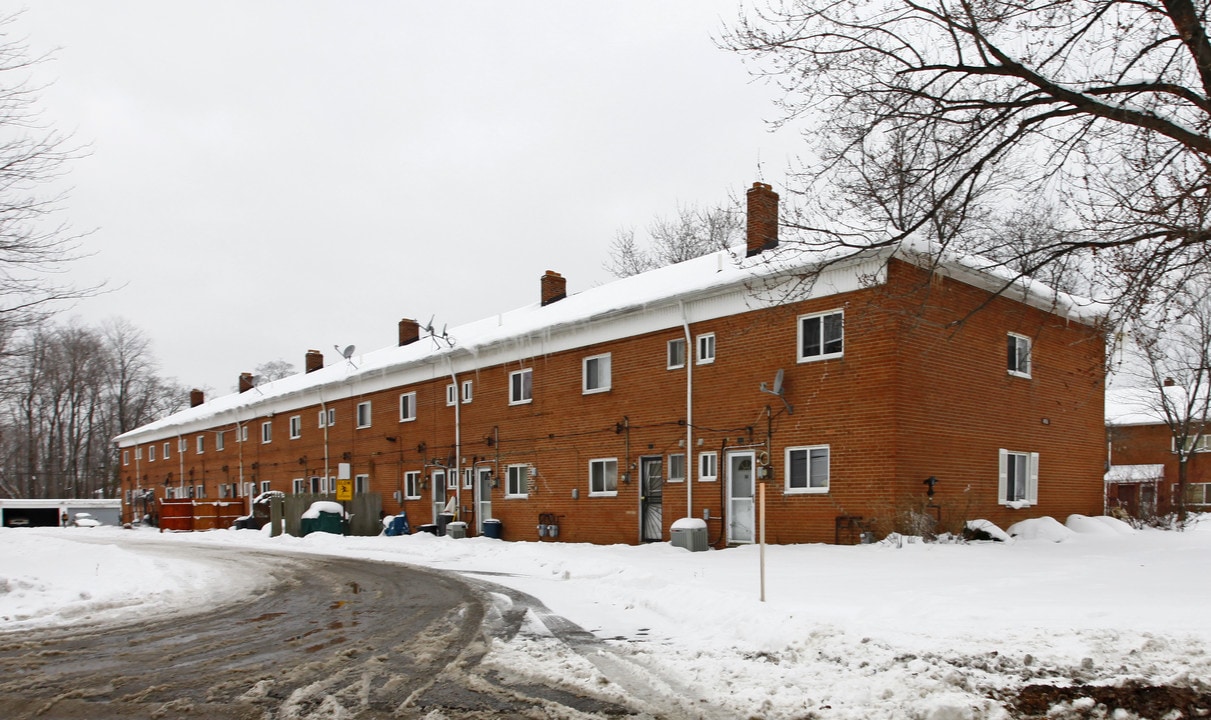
614	411
1142	478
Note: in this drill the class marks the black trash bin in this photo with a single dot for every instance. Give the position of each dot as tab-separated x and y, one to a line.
430	528
492	528
444	519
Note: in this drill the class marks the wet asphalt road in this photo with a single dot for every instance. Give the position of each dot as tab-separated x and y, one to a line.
332	638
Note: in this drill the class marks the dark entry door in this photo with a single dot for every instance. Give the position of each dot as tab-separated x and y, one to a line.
651	499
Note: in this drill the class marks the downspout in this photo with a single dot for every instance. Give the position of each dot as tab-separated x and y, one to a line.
180	461
689	414
324	413
458	481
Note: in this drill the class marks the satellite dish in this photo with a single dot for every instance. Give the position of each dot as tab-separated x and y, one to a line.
778	382
348	352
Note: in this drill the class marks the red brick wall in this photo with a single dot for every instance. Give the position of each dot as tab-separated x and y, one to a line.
1152	445
921	390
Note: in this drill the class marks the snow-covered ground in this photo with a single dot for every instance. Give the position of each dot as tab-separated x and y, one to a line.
899	628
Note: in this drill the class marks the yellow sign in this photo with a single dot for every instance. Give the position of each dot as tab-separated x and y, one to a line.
344	490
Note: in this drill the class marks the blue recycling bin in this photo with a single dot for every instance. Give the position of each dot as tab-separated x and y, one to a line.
492	528
398	526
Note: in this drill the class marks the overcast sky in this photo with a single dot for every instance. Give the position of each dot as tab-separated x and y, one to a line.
269	177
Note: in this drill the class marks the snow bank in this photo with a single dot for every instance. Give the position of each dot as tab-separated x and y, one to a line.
1045	528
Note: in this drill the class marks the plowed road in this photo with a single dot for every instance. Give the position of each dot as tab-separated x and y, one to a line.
333	638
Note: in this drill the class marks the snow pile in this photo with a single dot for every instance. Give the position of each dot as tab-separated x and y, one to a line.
912	630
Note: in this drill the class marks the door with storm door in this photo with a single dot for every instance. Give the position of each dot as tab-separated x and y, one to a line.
483	498
741	519
651	498
438	479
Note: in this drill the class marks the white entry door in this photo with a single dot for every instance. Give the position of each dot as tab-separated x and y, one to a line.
483	498
741	519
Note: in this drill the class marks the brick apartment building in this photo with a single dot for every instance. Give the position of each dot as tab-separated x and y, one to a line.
1142	474
619	409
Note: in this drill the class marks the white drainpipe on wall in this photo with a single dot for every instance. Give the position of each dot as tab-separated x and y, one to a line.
458	481
689	413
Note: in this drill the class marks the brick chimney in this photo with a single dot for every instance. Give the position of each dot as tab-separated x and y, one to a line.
762	218
246	383
554	287
312	361
196	397
409	331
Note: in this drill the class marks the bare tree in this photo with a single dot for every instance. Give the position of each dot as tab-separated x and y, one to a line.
940	120
1174	349
33	247
691	233
272	370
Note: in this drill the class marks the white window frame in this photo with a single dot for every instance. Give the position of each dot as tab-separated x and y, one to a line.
298	486
182	445
603	477
704	349
1029	462
200	445
200	491
1203	444
218	441
452	480
670	362
407	407
125	457
296	427
265	486
708	466
266	432
599	377
468	391
451	395
521	386
151	452
242	434
468	478
327	418
167	450
412	485
318	484
517	482
672	468
365	416
1019	351
361	484
808	488
822	317
138	453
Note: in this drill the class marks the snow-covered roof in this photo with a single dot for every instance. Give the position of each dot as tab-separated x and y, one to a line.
1135	473
663	298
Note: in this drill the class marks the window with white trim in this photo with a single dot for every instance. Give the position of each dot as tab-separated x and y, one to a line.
265	486
298	486
319	484
1018	478
363	414
596	375
1202	444
451	395
821	336
603	477
521	386
361	484
517	481
807	469
452	480
266	433
407	407
327	418
218	440
467	391
224	490
1196	493
138	453
182	445
125	457
676	468
200	444
706	349
167	448
412	485
200	491
708	466
242	434
296	427
676	354
1018	355
151	453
